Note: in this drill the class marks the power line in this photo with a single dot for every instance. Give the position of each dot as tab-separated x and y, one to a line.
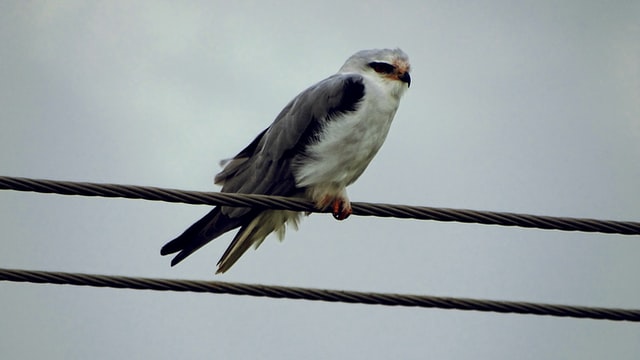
359	208
298	293
365	209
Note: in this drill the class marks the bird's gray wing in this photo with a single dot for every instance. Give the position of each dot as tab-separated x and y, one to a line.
264	166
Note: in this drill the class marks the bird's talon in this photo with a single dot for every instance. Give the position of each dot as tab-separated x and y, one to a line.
341	209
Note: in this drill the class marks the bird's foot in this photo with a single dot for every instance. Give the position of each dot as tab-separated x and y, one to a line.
340	206
341	209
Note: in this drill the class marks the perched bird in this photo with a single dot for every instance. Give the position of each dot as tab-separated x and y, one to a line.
320	143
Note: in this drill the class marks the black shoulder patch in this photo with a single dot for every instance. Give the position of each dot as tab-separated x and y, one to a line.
339	102
352	92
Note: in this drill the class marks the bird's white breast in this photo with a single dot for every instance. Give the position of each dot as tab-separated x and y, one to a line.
349	142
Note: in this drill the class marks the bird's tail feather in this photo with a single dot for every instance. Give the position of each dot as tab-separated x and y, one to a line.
199	234
254	232
247	236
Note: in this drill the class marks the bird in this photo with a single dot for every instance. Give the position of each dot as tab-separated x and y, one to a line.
321	142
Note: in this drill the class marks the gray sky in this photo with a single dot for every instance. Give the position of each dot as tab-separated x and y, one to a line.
531	107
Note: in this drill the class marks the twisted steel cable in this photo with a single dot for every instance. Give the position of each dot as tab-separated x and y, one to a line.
298	293
359	208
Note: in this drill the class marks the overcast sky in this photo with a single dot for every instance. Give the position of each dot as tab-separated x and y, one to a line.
530	106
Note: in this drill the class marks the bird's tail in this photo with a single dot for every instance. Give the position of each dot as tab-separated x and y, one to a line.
212	225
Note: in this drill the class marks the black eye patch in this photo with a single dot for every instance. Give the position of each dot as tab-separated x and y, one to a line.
381	67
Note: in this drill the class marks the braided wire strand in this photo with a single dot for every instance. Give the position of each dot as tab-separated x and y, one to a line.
299	293
282	203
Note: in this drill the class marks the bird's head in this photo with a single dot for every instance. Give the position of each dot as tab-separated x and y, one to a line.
391	66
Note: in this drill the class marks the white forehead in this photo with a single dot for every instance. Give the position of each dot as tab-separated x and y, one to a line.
364	57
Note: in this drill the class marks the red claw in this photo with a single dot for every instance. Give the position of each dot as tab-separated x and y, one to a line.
341	209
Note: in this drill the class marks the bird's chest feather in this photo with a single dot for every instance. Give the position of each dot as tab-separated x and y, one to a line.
347	144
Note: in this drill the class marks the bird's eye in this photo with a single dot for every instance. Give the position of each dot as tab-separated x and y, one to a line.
383	68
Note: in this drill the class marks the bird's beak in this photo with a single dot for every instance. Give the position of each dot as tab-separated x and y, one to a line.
405	77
